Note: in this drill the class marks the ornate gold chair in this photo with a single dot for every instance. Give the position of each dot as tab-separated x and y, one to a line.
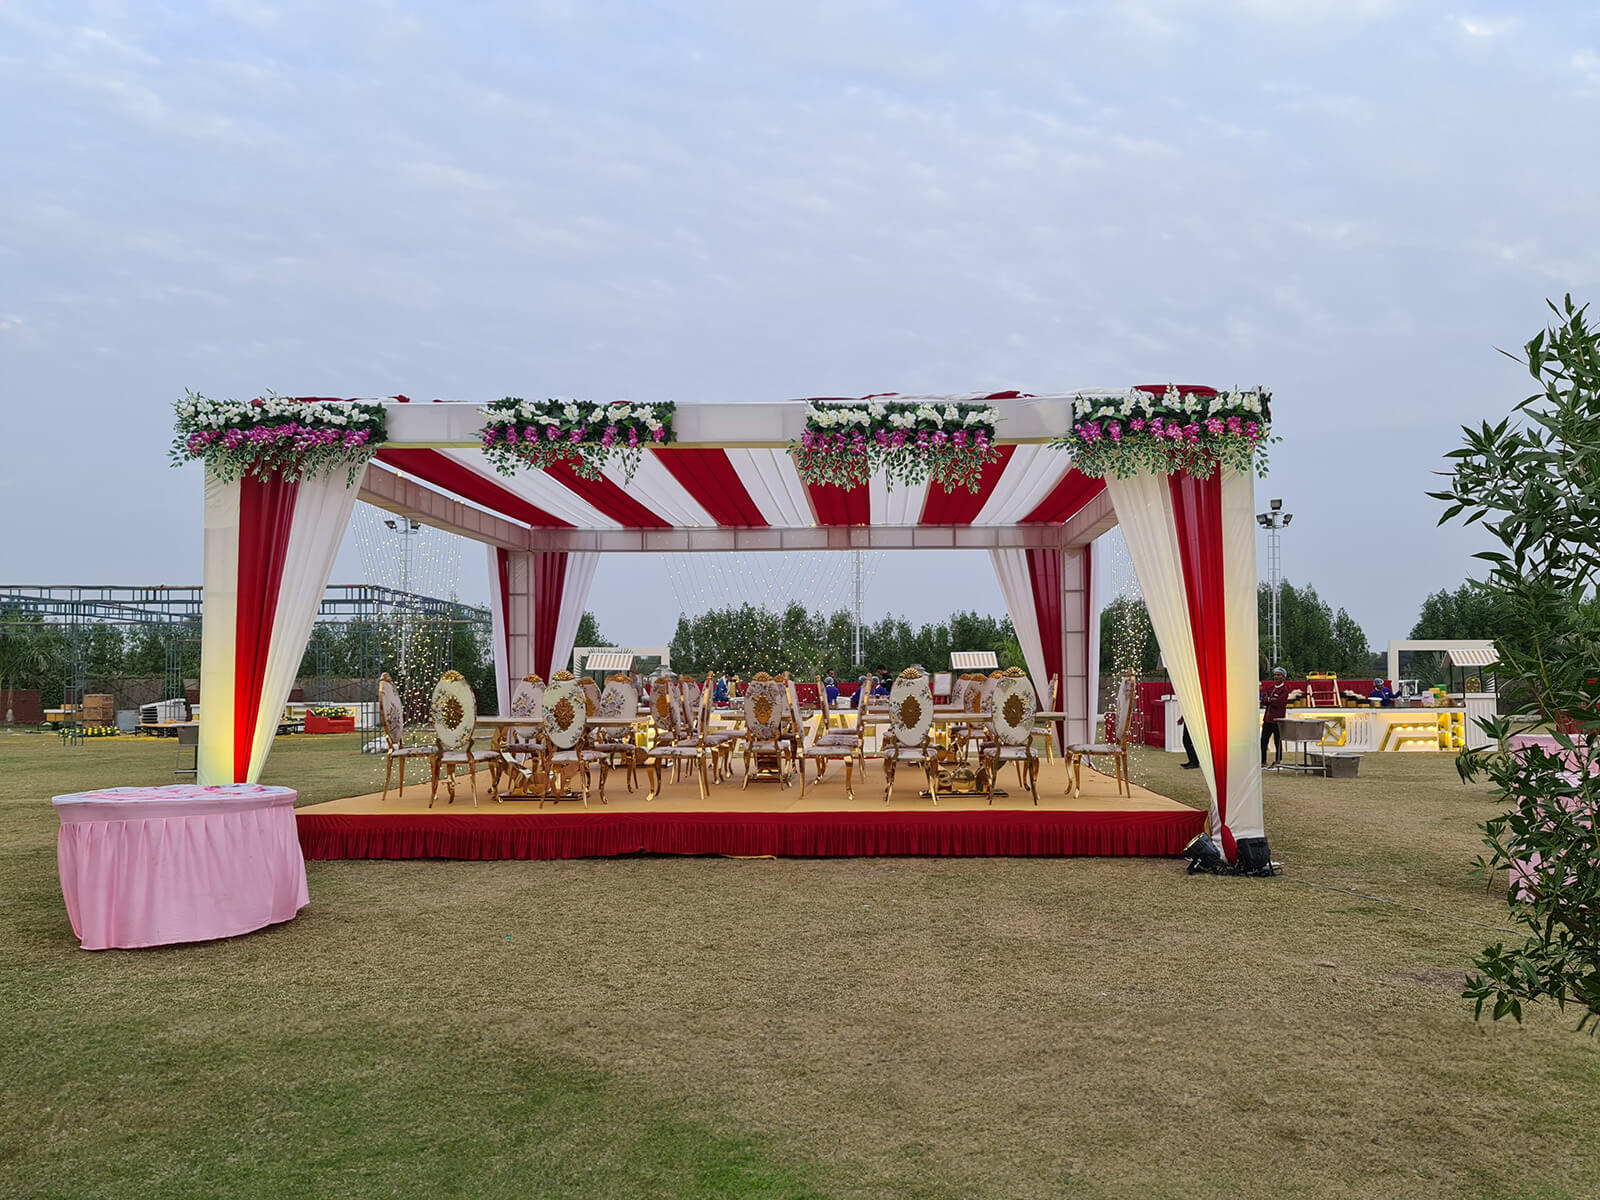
394	732
566	718
764	749
521	745
685	750
1116	750
910	724
619	699
831	745
455	718
1012	722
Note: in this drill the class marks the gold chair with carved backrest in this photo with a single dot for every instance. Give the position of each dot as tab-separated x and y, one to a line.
719	742
1116	749
566	719
831	745
764	750
591	694
619	699
910	727
520	746
692	749
1012	723
394	732
455	719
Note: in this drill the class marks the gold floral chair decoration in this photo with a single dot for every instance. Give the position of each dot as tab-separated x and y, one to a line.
683	751
455	719
521	746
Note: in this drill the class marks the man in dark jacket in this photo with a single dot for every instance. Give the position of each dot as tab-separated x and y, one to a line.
1275	700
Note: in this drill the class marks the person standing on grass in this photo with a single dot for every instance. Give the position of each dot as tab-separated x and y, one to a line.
1275	700
1193	763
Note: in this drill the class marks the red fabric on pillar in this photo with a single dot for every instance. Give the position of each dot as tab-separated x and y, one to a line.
708	476
1197	512
502	564
266	514
1044	573
549	581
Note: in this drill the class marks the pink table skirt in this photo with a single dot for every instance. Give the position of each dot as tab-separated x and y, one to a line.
154	866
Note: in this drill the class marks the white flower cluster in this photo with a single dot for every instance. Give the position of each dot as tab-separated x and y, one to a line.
199	412
822	416
562	411
1135	401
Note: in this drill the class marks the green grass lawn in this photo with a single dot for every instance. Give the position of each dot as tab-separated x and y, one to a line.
867	1027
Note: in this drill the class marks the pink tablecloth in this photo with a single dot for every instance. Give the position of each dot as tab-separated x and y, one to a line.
153	866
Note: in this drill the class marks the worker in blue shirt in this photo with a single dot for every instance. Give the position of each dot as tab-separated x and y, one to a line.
1382	693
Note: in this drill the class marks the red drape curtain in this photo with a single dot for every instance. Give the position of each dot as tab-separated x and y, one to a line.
1197	513
1044	573
549	586
266	513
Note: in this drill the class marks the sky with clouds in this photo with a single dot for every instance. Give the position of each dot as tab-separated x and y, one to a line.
1353	203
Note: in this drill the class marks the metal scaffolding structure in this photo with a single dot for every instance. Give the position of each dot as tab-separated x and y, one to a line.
175	612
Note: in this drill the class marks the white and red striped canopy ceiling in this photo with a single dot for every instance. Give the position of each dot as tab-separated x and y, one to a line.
746	478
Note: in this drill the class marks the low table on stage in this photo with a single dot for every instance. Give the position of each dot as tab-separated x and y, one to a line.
152	866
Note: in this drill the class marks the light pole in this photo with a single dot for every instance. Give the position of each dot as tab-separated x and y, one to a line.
1274	521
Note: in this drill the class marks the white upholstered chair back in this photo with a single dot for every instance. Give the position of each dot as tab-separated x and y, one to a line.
911	708
455	712
1014	707
565	713
527	701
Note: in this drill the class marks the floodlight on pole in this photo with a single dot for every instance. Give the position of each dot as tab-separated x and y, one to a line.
1274	521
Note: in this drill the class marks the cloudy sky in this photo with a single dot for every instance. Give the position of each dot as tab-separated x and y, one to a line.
1352	202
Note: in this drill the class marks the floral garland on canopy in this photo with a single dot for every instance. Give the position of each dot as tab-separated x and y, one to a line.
277	435
1189	430
521	434
846	442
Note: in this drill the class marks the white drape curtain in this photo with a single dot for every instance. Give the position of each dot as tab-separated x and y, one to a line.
218	632
322	508
1244	656
574	595
1016	584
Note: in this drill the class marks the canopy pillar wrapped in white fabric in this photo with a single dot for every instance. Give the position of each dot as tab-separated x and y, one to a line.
538	599
1192	542
269	550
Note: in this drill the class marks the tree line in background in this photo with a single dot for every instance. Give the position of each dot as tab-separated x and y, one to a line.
745	639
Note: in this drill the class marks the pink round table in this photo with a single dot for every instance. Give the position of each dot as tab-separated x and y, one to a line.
156	865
